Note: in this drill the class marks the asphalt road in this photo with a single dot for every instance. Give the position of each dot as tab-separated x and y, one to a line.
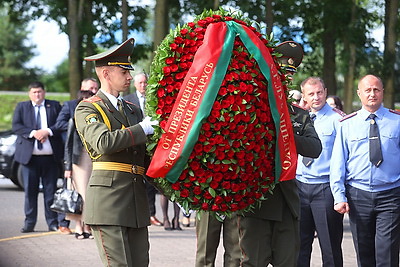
42	248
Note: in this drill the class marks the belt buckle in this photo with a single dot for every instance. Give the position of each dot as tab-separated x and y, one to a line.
138	170
134	169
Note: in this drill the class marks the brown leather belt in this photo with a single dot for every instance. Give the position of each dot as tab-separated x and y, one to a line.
117	166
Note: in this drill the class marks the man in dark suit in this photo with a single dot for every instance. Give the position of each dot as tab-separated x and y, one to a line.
39	150
114	134
138	98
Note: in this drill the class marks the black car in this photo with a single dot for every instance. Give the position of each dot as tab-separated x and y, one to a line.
8	167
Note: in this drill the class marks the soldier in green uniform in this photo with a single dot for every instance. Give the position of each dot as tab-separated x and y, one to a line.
270	234
114	134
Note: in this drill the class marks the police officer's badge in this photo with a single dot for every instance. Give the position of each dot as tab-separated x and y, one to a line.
91	118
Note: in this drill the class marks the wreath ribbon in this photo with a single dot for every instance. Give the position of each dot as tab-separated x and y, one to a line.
199	91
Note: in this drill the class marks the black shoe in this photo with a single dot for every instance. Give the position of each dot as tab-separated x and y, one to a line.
175	224
26	230
53	229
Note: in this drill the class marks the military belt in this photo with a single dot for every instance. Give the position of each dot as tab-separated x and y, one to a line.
117	166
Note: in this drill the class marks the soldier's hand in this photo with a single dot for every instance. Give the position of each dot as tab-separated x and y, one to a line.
147	125
342	207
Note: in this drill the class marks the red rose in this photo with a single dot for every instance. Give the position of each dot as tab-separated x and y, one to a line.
173	46
207	195
218	200
214	208
175	186
184	193
197	190
214	184
226	185
184	31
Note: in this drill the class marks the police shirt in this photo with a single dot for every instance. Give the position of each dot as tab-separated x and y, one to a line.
325	124
350	162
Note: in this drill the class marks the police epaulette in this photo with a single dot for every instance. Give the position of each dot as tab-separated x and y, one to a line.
92	99
395	111
341	113
348	116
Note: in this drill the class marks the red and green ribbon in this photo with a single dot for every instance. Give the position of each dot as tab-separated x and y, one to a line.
199	91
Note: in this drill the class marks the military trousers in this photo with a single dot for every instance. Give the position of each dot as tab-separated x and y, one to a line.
264	242
208	232
122	246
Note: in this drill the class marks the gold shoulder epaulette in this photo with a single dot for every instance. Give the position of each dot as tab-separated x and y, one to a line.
341	113
348	116
92	99
395	111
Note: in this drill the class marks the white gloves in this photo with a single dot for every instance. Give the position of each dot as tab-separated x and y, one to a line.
147	125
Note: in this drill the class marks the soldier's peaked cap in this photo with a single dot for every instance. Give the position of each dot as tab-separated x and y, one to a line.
118	56
292	55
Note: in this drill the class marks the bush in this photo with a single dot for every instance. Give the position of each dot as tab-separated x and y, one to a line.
9	100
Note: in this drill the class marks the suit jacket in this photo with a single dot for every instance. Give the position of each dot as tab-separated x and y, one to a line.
73	146
24	122
113	197
67	112
308	145
133	98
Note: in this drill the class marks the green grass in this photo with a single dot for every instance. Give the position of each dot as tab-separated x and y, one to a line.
9	100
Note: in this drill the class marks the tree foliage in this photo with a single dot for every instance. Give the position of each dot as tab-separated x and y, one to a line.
14	53
336	34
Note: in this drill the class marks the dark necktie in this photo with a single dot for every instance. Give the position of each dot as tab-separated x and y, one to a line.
121	108
144	106
306	160
38	126
375	151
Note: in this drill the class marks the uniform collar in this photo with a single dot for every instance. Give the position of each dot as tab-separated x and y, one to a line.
322	111
379	113
113	99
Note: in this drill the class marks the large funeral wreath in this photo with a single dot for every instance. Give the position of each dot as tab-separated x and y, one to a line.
231	165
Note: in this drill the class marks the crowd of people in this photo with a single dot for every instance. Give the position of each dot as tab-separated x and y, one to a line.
346	164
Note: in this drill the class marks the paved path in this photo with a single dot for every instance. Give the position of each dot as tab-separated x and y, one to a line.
41	248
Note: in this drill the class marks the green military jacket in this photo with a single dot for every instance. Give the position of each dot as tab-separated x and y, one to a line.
308	145
113	197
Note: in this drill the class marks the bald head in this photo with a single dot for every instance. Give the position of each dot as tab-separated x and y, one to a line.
370	91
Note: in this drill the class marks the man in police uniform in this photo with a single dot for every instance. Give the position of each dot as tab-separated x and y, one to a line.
270	234
365	176
114	134
312	175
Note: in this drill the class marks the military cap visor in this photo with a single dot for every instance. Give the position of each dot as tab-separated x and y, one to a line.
292	55
118	56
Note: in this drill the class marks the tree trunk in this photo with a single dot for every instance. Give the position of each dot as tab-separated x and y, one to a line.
329	65
87	19
216	5
389	55
161	24
75	64
269	16
124	20
349	45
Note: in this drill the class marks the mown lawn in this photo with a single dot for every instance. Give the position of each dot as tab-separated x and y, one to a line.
9	100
